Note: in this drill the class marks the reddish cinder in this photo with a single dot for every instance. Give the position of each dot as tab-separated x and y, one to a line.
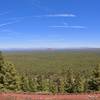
25	96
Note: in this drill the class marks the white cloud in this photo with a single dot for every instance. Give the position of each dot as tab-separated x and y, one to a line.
60	15
68	26
43	16
57	15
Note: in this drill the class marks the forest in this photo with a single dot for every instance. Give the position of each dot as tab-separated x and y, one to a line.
65	80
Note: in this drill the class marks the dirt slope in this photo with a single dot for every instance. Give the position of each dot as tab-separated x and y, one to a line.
12	96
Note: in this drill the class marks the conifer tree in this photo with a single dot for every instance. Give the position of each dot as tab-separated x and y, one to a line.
9	78
61	85
46	83
52	85
94	82
69	84
79	83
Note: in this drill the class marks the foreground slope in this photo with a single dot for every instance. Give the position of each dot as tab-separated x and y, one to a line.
12	96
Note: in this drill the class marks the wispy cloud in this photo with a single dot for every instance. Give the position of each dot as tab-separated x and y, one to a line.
37	4
57	15
42	16
8	23
67	26
60	15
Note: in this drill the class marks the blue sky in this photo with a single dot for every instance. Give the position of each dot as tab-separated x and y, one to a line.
49	23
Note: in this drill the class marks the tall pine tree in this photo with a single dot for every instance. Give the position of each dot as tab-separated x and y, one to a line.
9	78
94	82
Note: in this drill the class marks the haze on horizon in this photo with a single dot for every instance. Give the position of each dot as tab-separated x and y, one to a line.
49	24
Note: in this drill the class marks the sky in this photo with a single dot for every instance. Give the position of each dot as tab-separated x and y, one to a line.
49	23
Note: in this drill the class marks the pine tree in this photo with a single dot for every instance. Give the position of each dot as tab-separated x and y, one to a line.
62	85
39	83
52	85
32	85
1	58
24	83
96	71
94	82
69	84
79	83
46	83
9	78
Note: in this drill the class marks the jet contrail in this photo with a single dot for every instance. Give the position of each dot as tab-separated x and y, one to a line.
8	23
37	4
70	27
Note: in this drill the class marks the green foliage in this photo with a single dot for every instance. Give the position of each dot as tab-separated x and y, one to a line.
32	85
65	82
9	79
48	72
46	83
53	61
79	83
24	83
69	87
94	82
96	71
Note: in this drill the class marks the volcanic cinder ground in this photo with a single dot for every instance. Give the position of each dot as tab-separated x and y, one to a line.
12	96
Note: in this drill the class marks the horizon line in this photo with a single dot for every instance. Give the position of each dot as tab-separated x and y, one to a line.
51	48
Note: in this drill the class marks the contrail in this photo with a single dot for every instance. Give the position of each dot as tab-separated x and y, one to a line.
70	27
60	15
37	4
8	23
43	16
